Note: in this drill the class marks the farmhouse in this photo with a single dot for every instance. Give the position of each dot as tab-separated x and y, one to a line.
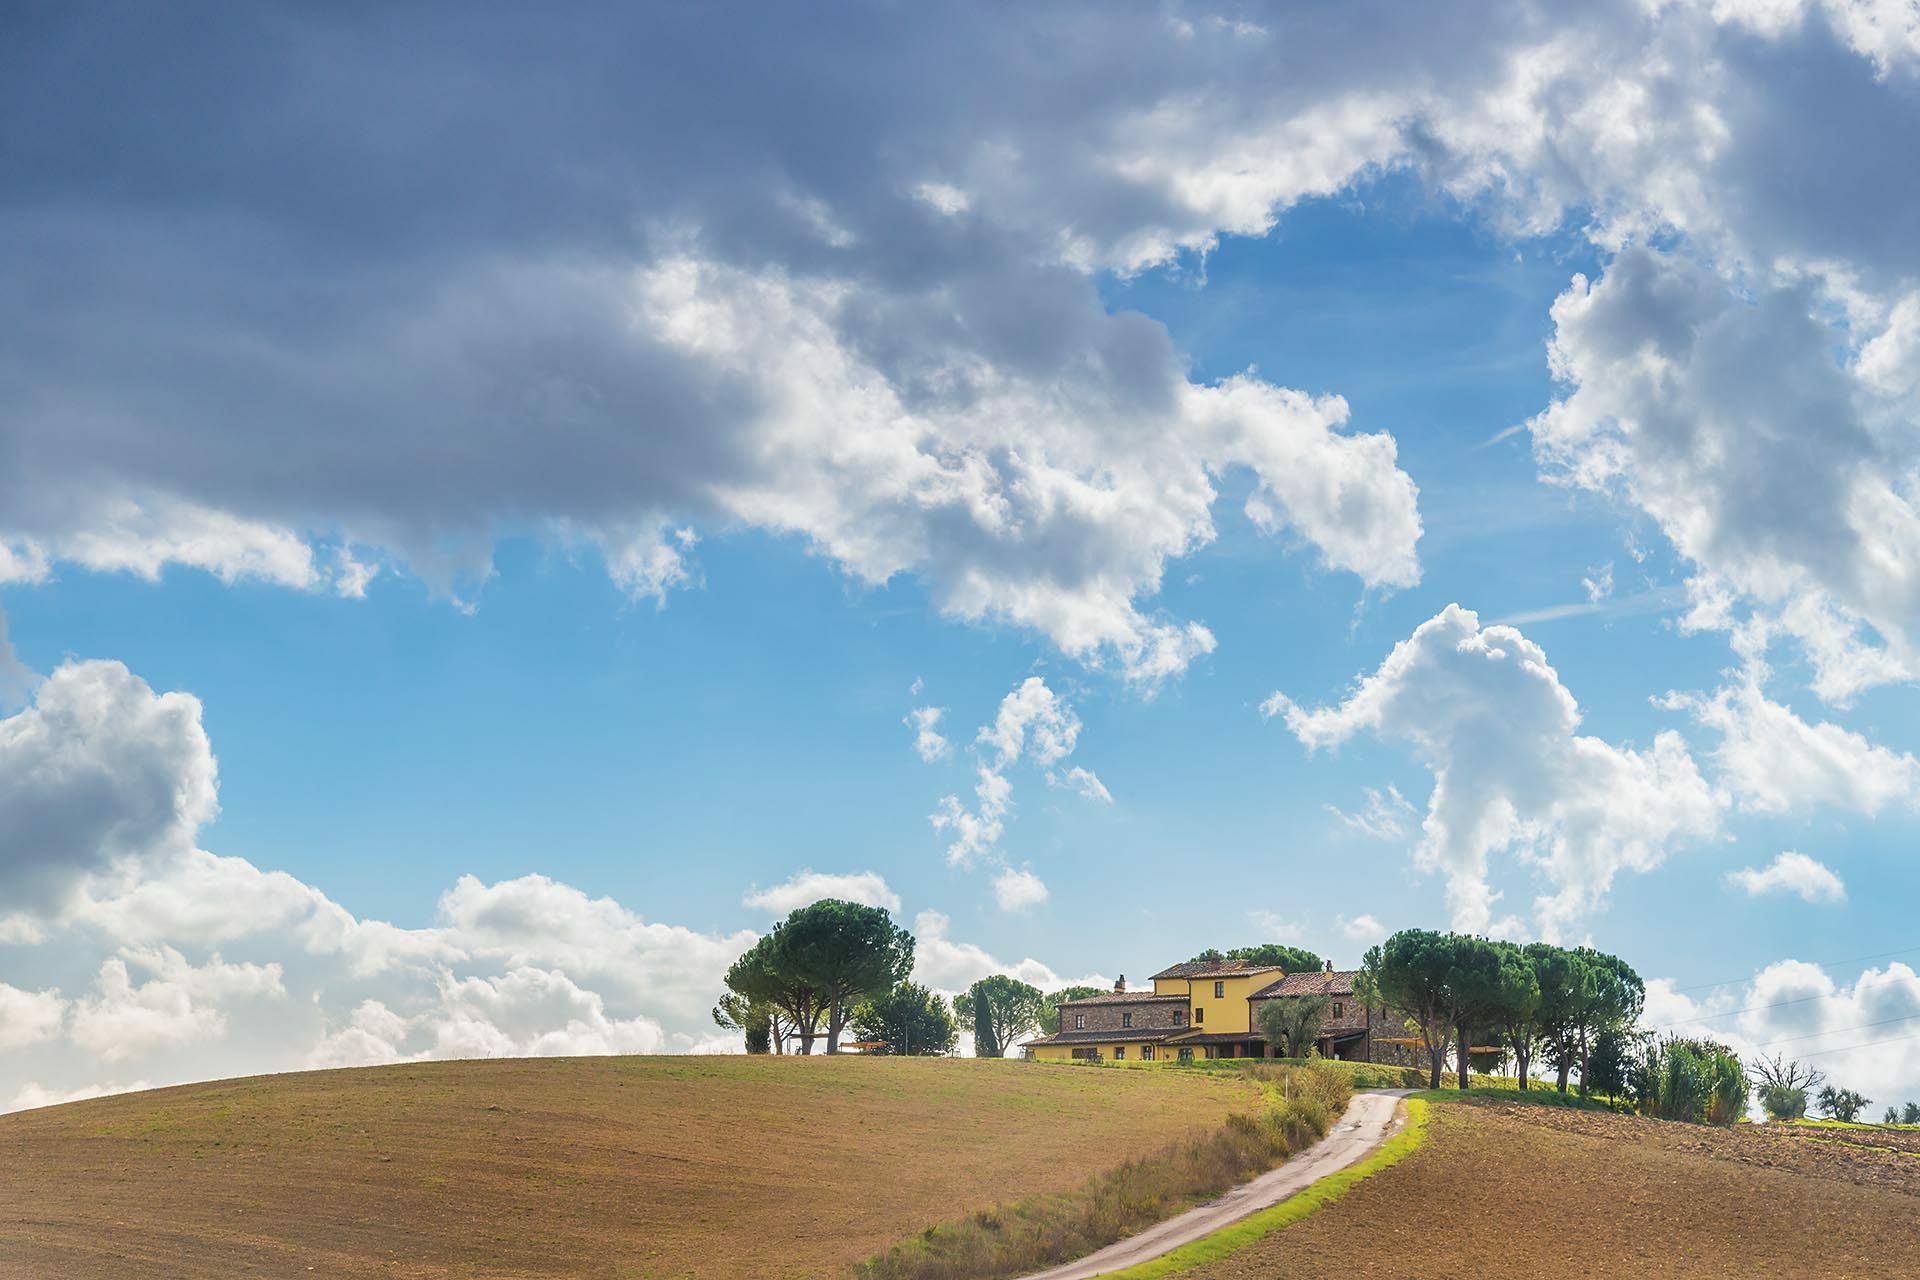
1211	1009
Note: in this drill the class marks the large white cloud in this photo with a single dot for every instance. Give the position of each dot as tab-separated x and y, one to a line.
214	965
1773	762
28	1017
1778	472
97	771
178	1003
1483	709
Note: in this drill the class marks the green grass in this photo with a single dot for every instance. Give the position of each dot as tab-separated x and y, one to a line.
1289	1211
1510	1093
1807	1123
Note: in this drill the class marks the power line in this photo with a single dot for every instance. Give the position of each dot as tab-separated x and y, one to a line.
1781	1004
1818	964
1820	1053
1836	1031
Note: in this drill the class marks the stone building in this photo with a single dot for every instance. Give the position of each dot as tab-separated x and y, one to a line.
1211	1009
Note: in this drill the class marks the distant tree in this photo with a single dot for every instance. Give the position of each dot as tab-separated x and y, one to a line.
1782	1086
815	965
1567	987
1611	1068
1842	1104
1002	1010
1410	974
1910	1114
754	1021
1618	997
1050	1009
1515	1015
912	1019
1488	984
763	977
1292	1025
847	952
1292	959
1892	1116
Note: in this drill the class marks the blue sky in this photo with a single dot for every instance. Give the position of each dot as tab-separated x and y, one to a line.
553	577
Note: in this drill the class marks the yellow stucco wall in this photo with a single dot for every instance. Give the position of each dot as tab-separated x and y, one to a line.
1230	1011
1064	1053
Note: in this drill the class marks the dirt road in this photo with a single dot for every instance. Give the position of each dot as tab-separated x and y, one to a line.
1370	1118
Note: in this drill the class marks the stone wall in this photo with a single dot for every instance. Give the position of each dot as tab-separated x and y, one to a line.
1110	1015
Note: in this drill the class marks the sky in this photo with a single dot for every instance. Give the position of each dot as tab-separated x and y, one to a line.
497	508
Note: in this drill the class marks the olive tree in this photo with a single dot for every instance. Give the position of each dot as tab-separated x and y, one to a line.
1291	1024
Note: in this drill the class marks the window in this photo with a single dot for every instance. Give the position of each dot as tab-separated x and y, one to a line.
1146	1053
1339	1010
1126	1019
1179	1017
1199	1014
1186	1055
1085	1053
1079	1022
1119	1053
1219	991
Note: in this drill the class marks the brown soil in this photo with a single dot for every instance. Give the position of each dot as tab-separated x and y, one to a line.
1503	1190
603	1167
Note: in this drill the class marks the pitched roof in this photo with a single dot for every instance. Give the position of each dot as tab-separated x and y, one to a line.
1215	969
1124	997
1314	982
1125	1036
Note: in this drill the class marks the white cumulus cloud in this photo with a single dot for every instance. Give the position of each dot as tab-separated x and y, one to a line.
1018	889
1485	712
1794	873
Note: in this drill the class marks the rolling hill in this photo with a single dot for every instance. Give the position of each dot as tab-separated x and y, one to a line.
617	1167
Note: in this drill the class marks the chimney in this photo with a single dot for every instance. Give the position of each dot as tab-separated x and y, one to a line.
1329	966
1120	983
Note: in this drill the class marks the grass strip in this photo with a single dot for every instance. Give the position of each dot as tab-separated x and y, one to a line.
1529	1097
1255	1226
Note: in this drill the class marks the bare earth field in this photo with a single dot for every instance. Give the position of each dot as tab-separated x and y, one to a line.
1503	1190
604	1167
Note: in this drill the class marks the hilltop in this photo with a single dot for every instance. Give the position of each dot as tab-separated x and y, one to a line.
636	1166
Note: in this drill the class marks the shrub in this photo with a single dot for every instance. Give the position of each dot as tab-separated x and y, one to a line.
1782	1103
1700	1081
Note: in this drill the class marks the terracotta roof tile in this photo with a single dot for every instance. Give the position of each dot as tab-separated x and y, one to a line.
1215	969
1315	983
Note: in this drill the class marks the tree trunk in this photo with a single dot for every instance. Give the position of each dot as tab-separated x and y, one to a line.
1523	1060
833	1026
1565	1063
1437	1055
1466	1067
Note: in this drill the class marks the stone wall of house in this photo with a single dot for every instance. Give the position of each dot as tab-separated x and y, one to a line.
1105	1015
1383	1026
